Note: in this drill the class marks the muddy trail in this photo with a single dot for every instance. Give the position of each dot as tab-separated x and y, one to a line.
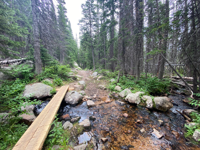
126	126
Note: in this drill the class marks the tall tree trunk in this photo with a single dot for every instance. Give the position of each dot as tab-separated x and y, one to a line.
36	38
162	66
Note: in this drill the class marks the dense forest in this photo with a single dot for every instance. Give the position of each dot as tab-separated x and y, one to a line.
151	47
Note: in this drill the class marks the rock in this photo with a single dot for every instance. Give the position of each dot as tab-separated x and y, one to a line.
74	77
67	125
160	122
73	98
38	108
85	123
79	87
66	117
94	74
100	78
196	135
80	147
157	134
112	80
102	87
90	103
56	147
125	115
104	140
189	111
78	76
75	119
4	117
134	98
162	103
120	102
118	88
142	130
27	118
139	121
176	134
82	92
82	83
48	80
27	108
125	92
149	101
192	124
93	118
37	90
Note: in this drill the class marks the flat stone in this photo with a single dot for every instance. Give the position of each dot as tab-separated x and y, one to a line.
82	83
67	125
48	80
100	77
125	115
28	118
85	123
95	74
125	92
90	103
118	88
80	147
75	119
104	140
27	108
157	134
66	117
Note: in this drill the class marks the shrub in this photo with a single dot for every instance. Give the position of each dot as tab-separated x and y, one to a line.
58	81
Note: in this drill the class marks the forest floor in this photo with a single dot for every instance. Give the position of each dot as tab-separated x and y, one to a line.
123	125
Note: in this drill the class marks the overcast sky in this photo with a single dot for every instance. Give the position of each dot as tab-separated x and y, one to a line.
74	13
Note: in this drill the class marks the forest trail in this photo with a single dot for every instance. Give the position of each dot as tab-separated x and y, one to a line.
125	126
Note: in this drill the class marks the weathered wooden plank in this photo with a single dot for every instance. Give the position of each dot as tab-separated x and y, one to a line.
35	135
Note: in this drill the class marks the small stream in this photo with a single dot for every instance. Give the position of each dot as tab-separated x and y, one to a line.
135	131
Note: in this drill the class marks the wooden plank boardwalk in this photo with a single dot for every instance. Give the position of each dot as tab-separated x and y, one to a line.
35	135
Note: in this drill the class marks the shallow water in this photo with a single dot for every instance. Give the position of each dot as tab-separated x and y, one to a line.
135	131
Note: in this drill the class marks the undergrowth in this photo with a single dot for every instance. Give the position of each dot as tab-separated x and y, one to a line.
150	85
12	99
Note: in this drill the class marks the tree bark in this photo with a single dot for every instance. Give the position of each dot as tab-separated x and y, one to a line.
36	38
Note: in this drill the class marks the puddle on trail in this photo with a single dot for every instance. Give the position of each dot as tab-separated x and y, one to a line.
133	132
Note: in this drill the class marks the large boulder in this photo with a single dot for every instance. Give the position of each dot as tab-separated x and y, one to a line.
73	98
37	90
125	92
162	103
196	135
134	98
148	100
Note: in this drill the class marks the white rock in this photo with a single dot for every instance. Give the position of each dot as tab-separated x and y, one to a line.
80	147
118	88
95	74
67	125
85	123
149	101
37	90
90	103
134	98
73	97
157	134
196	135
82	83
125	92
112	80
162	103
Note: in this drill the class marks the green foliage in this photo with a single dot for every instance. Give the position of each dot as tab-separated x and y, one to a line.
55	71
11	131
53	91
107	73
58	81
56	136
151	85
